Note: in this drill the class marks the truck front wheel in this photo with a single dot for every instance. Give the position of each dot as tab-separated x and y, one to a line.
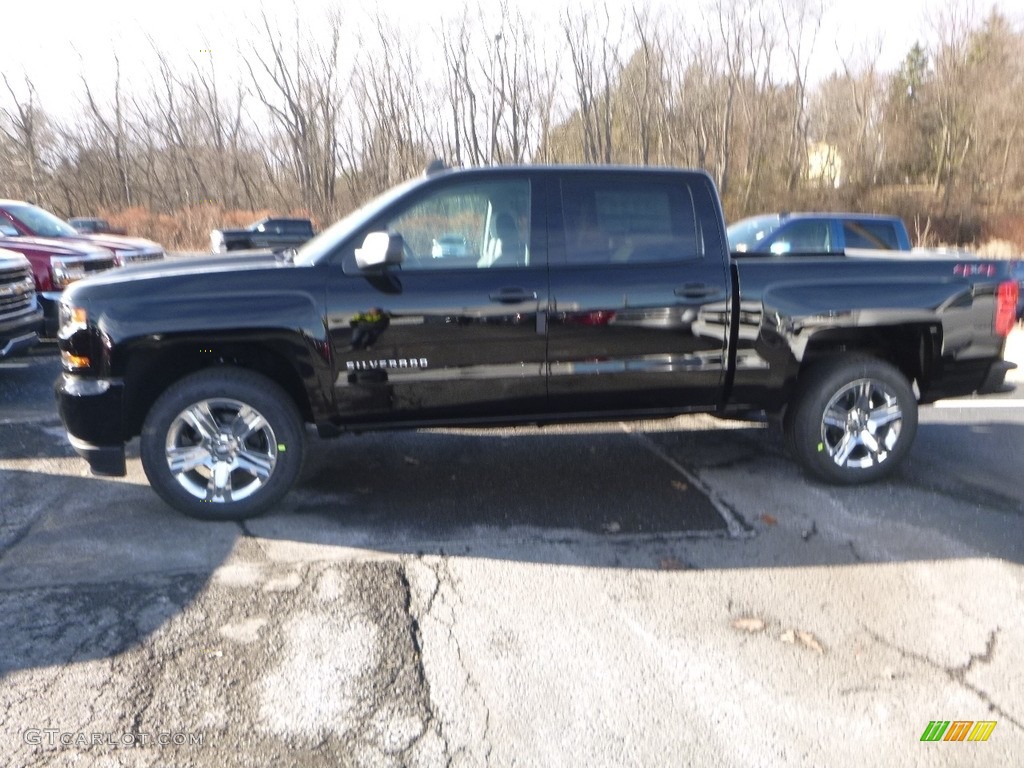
853	420
222	444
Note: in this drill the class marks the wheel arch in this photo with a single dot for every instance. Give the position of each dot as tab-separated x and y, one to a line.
149	366
913	349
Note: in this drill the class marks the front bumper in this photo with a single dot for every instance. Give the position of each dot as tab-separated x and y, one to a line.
20	332
91	410
50	302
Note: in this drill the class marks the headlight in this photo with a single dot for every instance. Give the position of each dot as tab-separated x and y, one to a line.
74	344
71	315
64	272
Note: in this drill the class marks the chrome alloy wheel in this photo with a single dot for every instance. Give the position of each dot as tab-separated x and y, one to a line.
221	450
861	424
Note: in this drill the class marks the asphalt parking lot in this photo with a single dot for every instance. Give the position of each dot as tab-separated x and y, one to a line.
659	593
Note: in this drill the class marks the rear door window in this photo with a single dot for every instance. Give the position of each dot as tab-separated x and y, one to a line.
616	218
870	234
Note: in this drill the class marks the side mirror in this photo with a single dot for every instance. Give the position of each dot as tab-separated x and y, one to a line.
380	249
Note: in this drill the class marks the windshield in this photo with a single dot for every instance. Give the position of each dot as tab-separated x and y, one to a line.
747	234
321	246
42	223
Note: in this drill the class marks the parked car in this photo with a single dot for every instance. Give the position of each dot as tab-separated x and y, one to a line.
449	246
55	265
21	317
20	219
276	234
609	293
93	226
803	234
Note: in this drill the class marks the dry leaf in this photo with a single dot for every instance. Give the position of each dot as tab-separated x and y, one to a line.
806	639
748	624
810	641
769	519
410	460
679	485
611	527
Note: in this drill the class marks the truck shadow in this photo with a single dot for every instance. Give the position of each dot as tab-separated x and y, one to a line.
110	563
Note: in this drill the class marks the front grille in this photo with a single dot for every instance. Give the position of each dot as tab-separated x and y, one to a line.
95	265
140	257
17	291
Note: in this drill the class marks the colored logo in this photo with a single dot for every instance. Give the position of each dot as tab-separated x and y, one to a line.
958	730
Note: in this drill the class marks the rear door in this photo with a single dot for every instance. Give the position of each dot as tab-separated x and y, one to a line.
639	292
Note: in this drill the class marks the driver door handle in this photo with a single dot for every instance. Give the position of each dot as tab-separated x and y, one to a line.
698	291
513	296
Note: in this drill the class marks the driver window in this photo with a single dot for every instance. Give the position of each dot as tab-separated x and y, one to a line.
481	225
8	230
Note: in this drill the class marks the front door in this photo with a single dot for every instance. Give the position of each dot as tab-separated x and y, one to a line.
456	331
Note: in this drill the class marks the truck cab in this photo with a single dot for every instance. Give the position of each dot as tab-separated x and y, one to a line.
818	234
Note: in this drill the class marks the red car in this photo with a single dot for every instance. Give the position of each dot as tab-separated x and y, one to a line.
20	219
55	265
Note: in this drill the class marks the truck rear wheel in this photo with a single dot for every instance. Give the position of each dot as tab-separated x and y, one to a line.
853	420
222	444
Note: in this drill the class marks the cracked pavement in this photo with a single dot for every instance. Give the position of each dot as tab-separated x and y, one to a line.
653	594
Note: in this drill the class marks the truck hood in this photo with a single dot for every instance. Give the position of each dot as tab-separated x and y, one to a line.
49	246
183	267
118	243
10	259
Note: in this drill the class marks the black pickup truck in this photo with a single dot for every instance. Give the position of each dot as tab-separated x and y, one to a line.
581	294
275	234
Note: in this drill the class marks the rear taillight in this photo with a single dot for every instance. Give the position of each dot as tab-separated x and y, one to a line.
1006	307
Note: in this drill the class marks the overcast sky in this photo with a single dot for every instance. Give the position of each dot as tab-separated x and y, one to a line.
54	41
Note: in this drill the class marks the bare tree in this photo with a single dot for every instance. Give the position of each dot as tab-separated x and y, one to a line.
801	20
24	126
595	56
298	83
112	131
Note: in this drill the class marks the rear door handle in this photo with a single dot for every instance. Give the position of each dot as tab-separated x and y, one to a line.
513	296
698	291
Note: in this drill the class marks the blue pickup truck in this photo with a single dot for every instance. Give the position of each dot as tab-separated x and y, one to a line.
817	234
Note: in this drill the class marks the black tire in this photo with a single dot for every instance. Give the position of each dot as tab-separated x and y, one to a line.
237	438
853	420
